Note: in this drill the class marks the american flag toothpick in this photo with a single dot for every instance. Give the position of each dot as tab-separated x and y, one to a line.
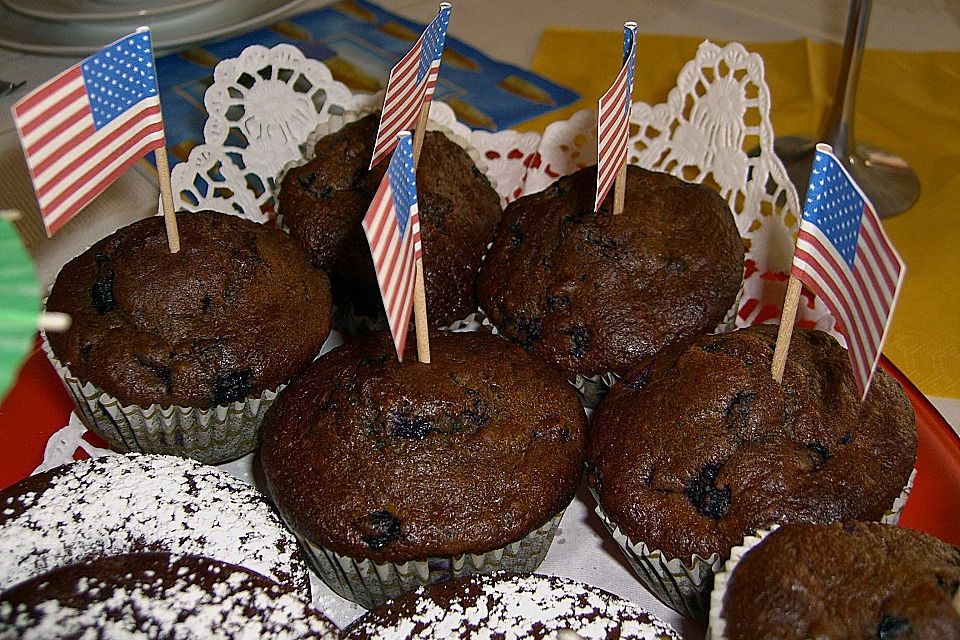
82	129
411	85
613	124
392	226
844	256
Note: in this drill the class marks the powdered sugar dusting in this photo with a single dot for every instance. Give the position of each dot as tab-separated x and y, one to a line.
175	606
136	502
511	607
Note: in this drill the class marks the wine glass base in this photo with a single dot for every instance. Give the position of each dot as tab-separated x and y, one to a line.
889	182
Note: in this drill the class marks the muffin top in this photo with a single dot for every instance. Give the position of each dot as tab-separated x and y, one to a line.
690	455
850	580
238	310
324	201
394	462
507	605
157	595
593	293
119	504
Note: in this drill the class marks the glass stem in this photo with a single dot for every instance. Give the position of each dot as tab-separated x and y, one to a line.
839	128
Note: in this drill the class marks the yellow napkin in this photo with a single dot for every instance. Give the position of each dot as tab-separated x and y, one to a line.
907	103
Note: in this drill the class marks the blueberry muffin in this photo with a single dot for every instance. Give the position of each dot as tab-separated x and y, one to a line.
324	201
509	605
157	595
695	452
592	293
425	471
850	580
232	316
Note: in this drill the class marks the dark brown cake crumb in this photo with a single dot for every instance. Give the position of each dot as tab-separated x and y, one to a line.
711	447
593	293
394	462
237	311
324	201
851	580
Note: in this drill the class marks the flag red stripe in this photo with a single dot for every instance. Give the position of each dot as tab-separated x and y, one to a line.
37	147
403	93
44	91
93	142
878	246
860	360
612	157
34	121
379	236
390	261
92	183
851	282
415	228
845	283
840	310
862	333
92	176
433	73
838	288
89	153
399	294
404	117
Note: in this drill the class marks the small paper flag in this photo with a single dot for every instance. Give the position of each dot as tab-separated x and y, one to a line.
392	225
844	256
81	130
613	121
411	85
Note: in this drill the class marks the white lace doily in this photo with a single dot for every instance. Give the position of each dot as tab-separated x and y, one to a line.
714	128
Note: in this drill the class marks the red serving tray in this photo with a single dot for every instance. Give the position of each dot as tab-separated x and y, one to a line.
38	405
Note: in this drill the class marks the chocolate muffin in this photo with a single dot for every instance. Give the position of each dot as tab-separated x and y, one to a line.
229	319
851	580
592	293
156	595
383	462
506	605
693	453
324	201
218	321
134	503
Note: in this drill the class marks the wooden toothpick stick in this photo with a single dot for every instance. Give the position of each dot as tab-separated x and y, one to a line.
420	315
166	199
419	290
620	190
420	132
785	332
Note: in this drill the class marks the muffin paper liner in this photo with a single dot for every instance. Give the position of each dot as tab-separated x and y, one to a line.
686	587
371	584
682	586
212	436
716	627
893	515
